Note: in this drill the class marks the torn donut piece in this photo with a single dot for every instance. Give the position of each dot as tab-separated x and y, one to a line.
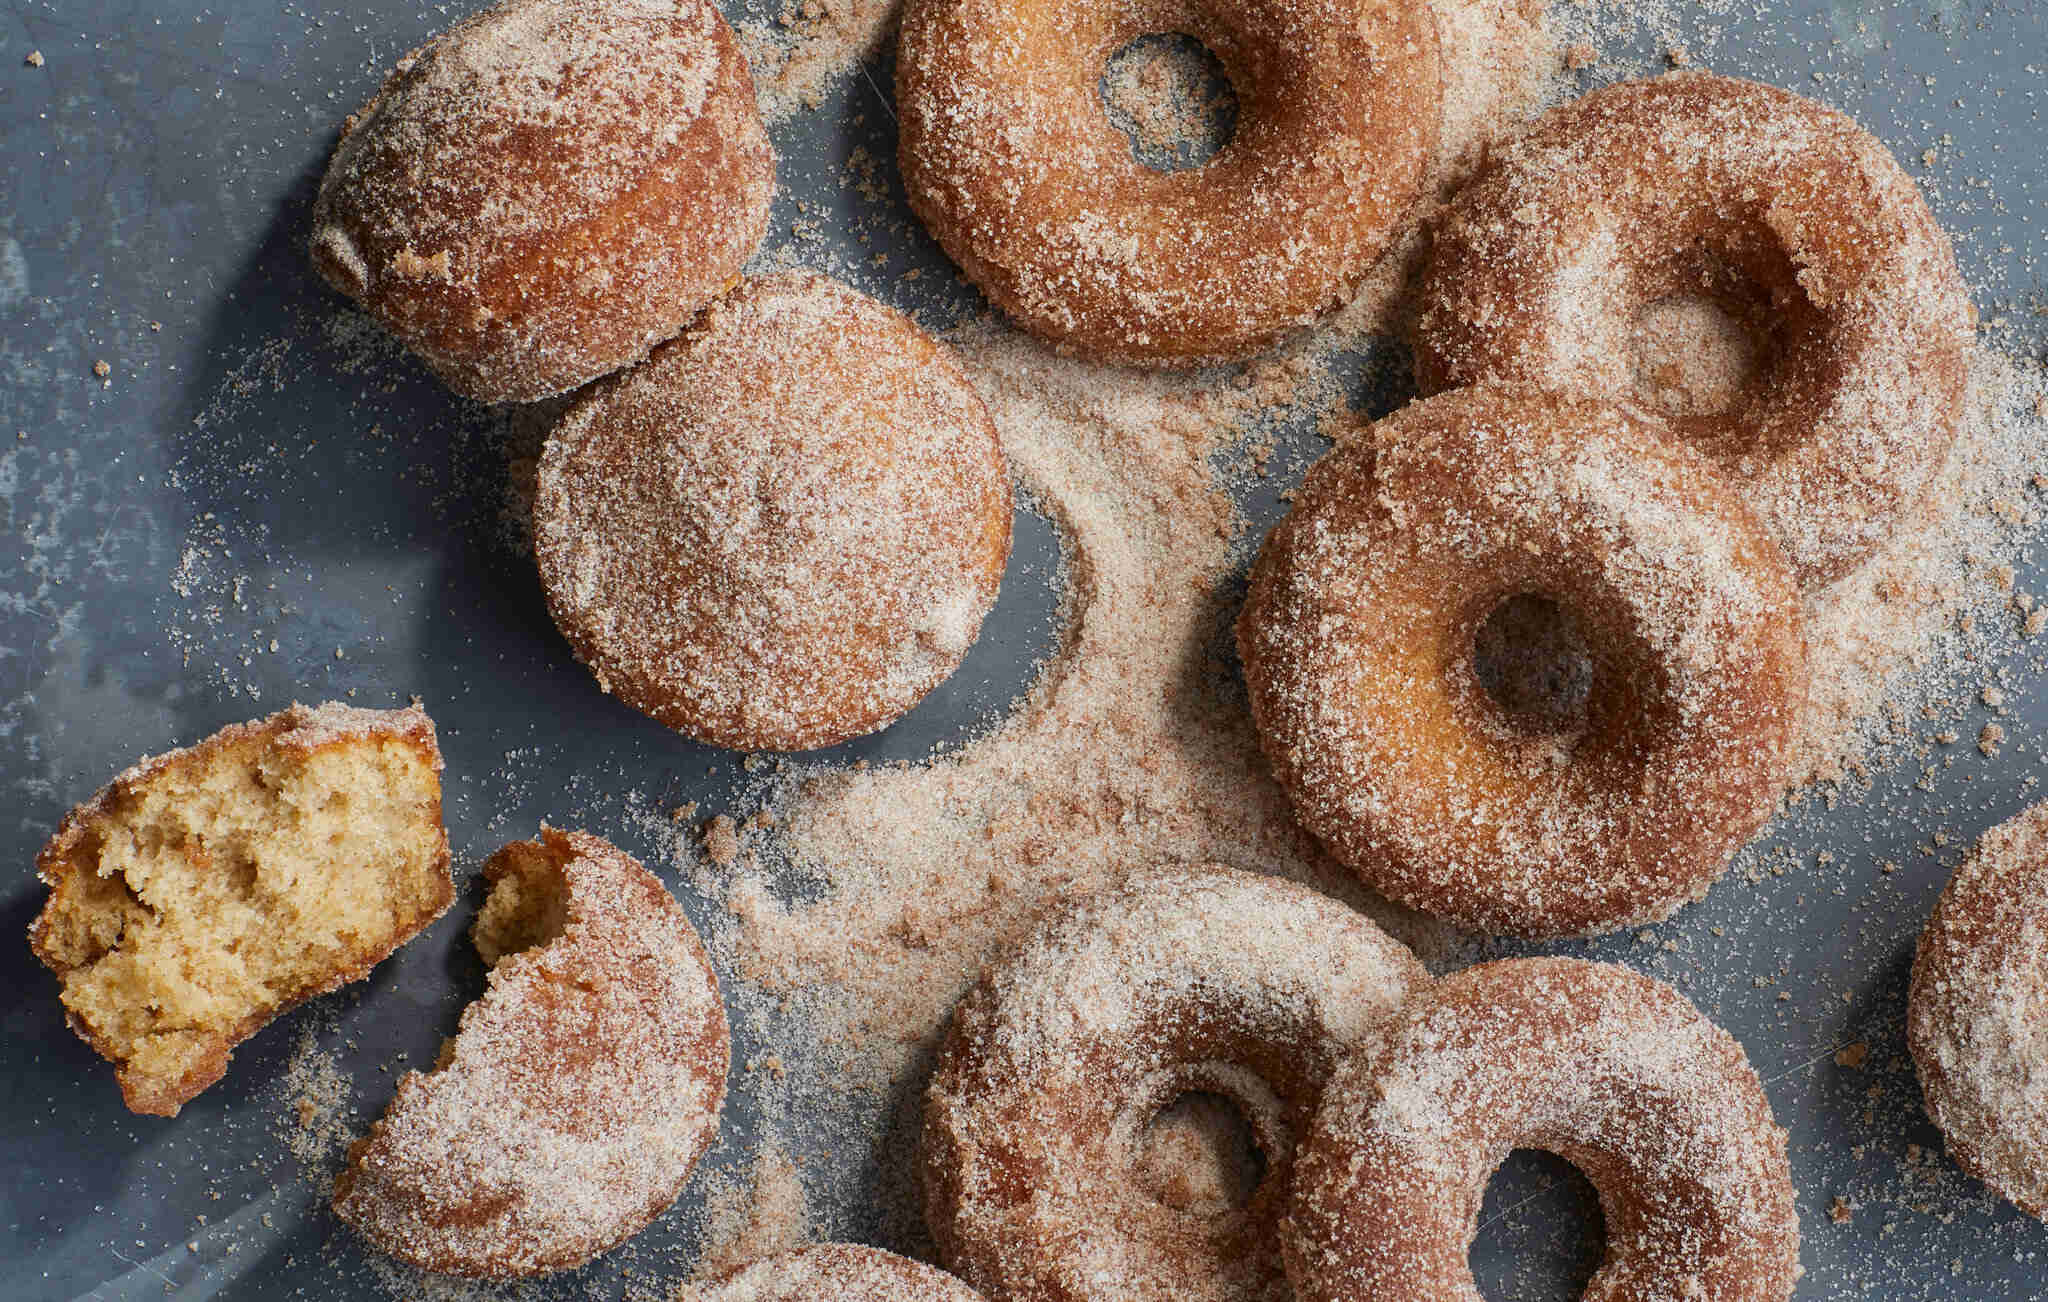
210	889
579	1090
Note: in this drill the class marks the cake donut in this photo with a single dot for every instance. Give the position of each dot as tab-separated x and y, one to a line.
541	194
207	891
1012	161
1578	242
1974	1023
834	1272
1614	1072
1358	638
784	529
1178	979
578	1091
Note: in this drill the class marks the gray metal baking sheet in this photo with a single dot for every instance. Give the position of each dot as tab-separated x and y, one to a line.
261	502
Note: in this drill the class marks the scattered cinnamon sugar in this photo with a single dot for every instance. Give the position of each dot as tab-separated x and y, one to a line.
317	1121
800	49
1130	746
767	1215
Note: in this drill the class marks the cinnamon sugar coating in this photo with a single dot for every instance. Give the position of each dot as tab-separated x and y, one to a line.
1011	160
1177	979
1358	644
786	528
1615	1072
579	1090
1975	1024
543	193
834	1272
1793	220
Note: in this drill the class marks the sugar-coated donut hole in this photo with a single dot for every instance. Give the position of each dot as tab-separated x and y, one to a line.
1198	1139
1172	97
1531	657
1542	1234
1691	355
1717	336
1199	1154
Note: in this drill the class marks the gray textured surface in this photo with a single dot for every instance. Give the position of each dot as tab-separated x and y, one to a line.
256	474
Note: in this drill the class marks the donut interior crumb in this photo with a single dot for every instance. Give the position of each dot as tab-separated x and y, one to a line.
527	907
234	881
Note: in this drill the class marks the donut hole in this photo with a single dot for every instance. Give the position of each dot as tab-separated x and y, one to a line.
1692	356
1172	99
1711	338
1199	1154
1532	658
1542	1234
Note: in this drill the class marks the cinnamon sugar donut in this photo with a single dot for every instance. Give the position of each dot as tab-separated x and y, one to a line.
1358	645
546	191
834	1272
783	530
579	1090
1614	1072
1010	158
1177	980
1975	1024
1619	213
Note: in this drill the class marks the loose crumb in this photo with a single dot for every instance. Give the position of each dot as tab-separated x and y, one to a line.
721	841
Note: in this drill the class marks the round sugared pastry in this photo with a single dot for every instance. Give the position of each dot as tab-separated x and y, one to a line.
1179	986
546	191
834	1272
1614	1072
1752	264
578	1091
783	530
1976	1023
1011	159
1359	644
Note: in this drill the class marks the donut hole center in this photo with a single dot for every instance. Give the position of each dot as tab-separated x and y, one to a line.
1711	335
1534	663
1199	1154
1694	357
1171	97
1542	1234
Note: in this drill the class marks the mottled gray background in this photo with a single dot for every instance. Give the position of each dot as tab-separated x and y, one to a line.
259	486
